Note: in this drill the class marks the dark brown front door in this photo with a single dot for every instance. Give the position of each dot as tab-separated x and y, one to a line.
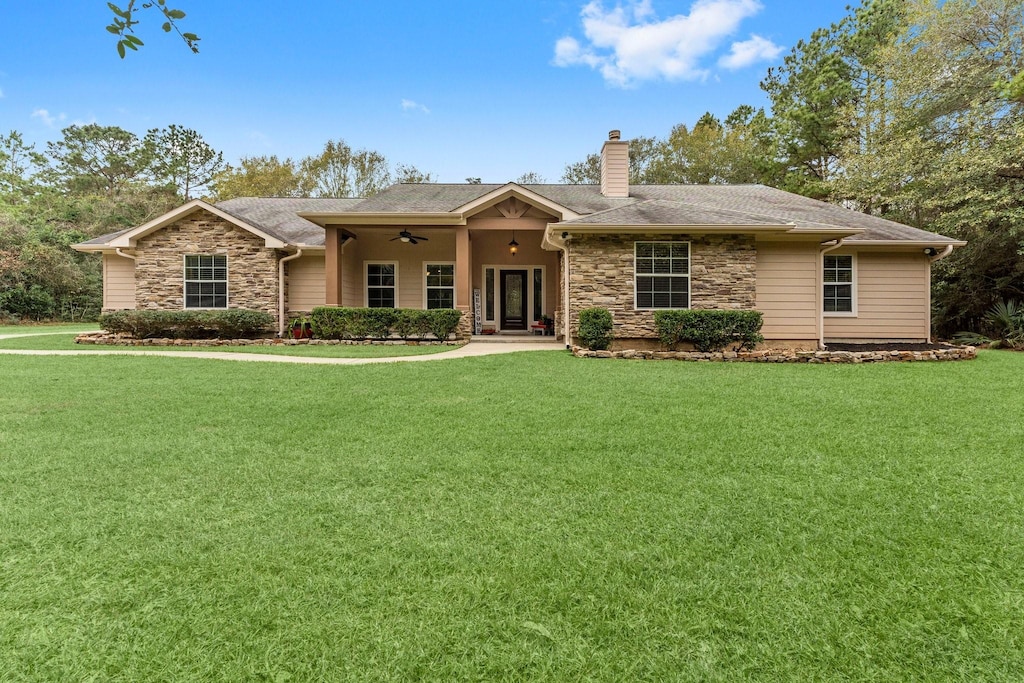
513	300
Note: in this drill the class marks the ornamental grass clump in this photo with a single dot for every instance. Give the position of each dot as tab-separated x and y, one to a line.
595	329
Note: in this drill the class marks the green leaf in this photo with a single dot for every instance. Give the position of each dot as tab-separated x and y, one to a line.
175	14
191	37
130	45
120	48
133	39
114	29
166	27
118	11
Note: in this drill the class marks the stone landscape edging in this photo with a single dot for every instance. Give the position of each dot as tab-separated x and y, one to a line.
108	339
789	356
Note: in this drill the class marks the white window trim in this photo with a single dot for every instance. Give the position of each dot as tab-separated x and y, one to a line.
366	280
455	293
185	281
688	276
852	313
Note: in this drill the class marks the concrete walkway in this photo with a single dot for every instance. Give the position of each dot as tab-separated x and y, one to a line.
471	349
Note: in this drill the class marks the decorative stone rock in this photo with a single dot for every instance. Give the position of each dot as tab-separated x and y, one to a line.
788	355
107	339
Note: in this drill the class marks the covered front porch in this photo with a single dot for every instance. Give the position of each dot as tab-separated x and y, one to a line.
492	267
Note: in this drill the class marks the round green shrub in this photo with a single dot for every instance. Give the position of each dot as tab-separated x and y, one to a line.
595	330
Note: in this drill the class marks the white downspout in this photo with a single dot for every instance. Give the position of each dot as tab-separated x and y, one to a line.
281	314
562	246
136	258
566	327
942	254
932	259
821	290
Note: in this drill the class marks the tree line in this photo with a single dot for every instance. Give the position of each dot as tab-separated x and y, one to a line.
99	179
912	110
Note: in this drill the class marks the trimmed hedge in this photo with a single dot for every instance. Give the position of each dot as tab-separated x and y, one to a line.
709	330
595	328
235	323
331	322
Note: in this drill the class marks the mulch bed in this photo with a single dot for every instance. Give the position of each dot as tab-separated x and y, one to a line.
887	347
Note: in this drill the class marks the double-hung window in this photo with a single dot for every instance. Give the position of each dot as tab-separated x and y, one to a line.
661	274
206	281
838	284
381	280
440	285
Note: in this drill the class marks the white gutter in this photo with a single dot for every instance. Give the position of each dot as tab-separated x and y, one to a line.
821	290
281	314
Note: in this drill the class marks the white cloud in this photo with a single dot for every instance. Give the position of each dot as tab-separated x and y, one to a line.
747	52
410	105
629	43
49	120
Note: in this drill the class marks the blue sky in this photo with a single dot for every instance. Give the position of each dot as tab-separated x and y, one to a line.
487	88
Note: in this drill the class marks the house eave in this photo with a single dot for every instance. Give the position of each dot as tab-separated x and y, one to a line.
597	228
907	243
385	218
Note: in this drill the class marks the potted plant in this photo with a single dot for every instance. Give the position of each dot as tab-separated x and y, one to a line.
302	328
549	325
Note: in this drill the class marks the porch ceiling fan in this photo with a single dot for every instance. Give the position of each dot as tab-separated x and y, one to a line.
407	236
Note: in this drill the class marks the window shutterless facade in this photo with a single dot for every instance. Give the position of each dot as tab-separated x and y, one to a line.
206	281
661	274
838	279
381	285
439	286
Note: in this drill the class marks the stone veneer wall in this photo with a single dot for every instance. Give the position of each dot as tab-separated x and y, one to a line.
160	264
723	272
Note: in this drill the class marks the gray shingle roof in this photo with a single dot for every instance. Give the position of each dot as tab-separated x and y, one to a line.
647	205
103	239
663	205
278	216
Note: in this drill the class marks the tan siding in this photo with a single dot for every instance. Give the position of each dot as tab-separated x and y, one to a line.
615	169
787	289
306	283
376	245
118	282
351	275
892	298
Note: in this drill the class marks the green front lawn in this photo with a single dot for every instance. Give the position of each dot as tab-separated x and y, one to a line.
60	342
48	328
529	516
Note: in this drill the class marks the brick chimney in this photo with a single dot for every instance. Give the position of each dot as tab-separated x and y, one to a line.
615	166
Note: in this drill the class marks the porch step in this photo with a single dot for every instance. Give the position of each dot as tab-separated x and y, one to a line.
511	339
